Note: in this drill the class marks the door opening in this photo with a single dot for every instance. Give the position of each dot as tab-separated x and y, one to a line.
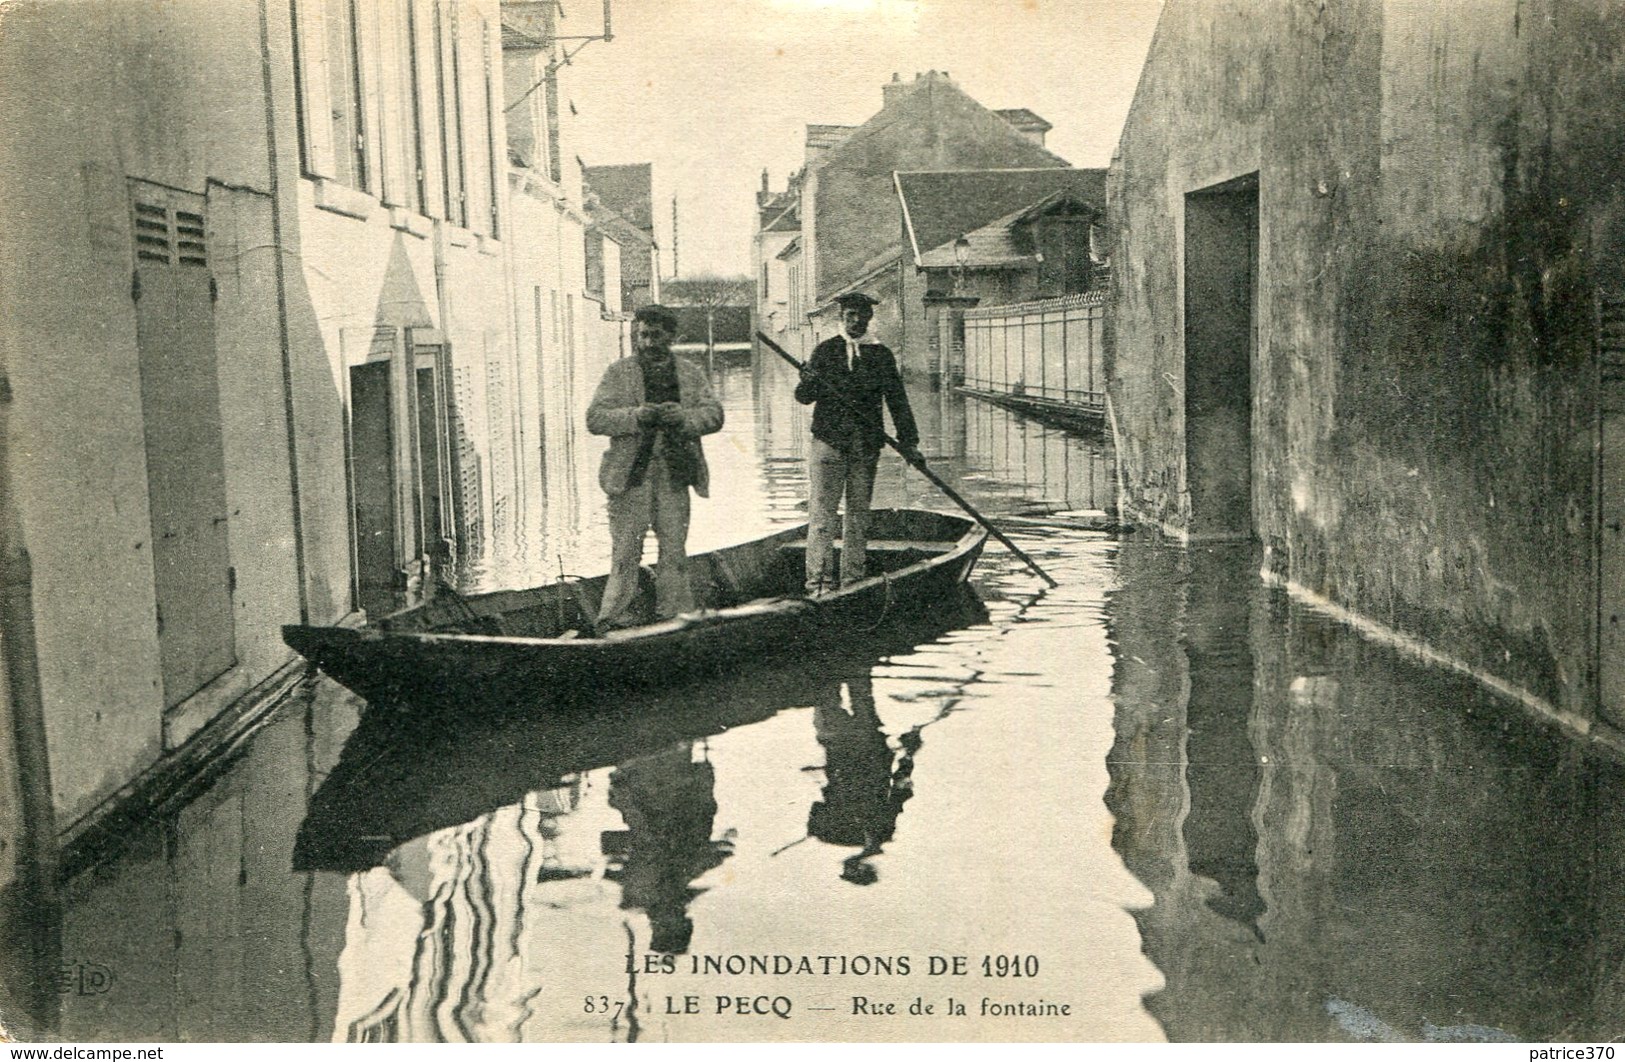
372	452
1221	282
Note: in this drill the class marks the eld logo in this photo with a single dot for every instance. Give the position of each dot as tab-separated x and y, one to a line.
83	979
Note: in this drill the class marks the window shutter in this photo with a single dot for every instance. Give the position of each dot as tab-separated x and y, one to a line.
471	102
451	114
152	237
310	44
372	128
496	156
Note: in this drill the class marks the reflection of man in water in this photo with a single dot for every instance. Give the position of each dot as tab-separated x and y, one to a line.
863	793
667	803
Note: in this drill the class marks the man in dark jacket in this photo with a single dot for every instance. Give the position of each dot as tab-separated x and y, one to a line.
846	380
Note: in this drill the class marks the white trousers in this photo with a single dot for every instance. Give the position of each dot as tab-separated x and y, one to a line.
835	474
653	503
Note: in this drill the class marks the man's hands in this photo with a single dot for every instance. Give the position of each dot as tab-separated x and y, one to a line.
660	415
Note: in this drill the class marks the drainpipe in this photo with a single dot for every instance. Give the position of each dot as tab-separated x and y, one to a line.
289	415
452	501
30	923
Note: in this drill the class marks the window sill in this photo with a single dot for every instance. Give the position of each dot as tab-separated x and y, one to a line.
489	245
341	199
408	222
458	236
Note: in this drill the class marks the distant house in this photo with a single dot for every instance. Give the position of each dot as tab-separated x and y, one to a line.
612	242
988	238
1041	250
836	225
627	190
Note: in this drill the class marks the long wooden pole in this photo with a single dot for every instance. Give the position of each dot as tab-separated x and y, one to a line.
918	463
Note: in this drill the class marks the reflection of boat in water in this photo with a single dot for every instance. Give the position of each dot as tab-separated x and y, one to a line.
406	773
516	646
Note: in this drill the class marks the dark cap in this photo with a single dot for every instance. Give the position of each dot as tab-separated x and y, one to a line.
654	313
856	298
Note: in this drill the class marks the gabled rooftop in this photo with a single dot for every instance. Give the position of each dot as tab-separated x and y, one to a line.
1024	120
626	189
939	206
994	244
616	227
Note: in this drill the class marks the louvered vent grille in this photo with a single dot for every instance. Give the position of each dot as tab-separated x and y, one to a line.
189	238
152	233
1611	341
169	236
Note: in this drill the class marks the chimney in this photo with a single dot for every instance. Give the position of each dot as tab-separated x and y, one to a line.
891	92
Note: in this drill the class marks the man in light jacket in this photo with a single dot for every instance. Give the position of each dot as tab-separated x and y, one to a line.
654	407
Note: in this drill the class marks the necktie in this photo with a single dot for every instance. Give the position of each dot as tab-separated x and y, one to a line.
851	354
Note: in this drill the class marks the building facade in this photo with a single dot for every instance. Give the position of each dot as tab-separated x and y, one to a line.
837	226
1366	281
628	190
316	284
986	238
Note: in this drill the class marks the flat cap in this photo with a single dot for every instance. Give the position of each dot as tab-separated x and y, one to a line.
656	314
856	298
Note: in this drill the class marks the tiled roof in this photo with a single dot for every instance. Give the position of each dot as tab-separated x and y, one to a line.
872	268
786	219
1022	118
626	189
994	245
940	206
621	231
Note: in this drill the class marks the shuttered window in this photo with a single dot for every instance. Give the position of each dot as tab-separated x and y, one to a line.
330	39
448	79
496	158
169	236
345	94
415	192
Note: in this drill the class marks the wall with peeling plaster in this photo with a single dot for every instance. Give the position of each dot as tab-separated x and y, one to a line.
1440	196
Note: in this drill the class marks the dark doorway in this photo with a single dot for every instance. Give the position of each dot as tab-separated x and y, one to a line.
372	450
434	527
1610	474
1221	281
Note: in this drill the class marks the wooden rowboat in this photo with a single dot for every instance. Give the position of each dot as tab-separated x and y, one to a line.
404	774
520	646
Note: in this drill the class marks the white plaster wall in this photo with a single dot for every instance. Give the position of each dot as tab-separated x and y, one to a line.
175	98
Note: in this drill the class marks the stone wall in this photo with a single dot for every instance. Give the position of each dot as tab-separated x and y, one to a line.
1438	199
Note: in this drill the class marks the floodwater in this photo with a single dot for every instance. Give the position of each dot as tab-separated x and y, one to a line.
1160	801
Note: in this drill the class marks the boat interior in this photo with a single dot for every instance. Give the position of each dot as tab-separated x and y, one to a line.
756	572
